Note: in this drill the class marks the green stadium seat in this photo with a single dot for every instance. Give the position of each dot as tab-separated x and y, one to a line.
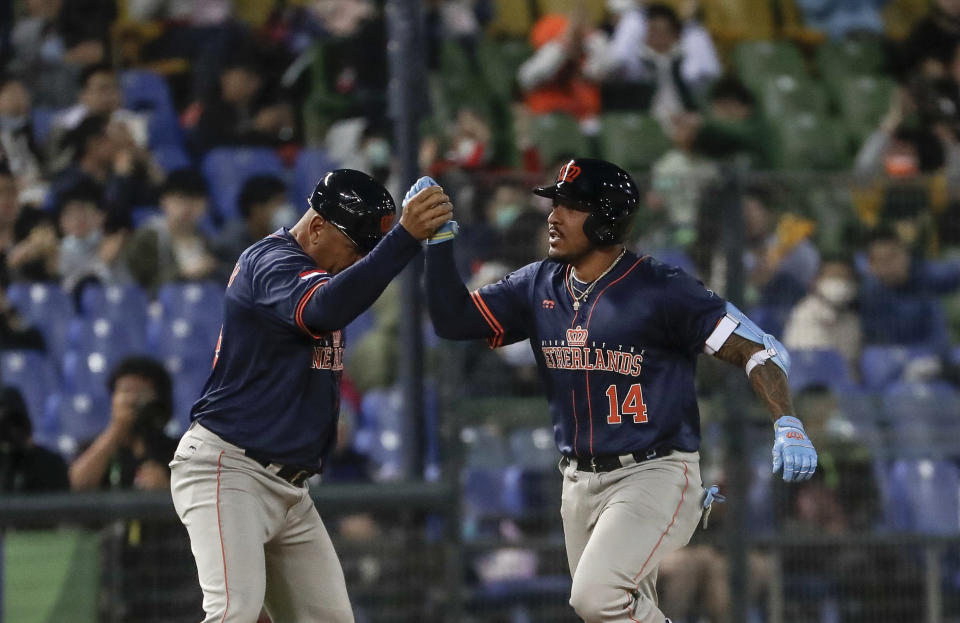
861	55
863	102
755	61
632	140
556	134
808	141
784	95
499	61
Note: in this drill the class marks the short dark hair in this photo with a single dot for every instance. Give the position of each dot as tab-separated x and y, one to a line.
79	137
732	88
664	11
187	181
84	189
257	190
147	368
883	233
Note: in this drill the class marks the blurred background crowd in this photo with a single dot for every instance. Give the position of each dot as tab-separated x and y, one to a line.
144	144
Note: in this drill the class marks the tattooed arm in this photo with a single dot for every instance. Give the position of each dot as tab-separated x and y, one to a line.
768	381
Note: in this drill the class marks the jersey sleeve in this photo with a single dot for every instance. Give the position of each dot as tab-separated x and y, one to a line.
505	306
690	311
282	283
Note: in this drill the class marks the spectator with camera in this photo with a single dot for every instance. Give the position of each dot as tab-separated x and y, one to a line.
133	450
25	467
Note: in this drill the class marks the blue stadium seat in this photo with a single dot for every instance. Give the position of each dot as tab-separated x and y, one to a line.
171	157
185	346
199	302
187	386
920	495
35	375
311	164
811	367
226	170
81	416
146	91
47	307
117	337
42	118
382	434
87	371
527	492
882	365
114	301
923	420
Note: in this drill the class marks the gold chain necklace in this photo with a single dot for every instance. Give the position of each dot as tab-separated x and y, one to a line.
582	296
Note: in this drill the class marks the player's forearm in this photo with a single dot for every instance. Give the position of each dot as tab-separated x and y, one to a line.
768	381
452	311
349	293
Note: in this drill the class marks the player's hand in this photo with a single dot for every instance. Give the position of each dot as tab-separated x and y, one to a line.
426	211
793	451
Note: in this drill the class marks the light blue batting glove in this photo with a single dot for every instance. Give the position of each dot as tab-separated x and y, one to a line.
424	182
792	450
448	230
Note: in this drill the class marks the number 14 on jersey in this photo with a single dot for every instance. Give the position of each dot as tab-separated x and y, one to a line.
632	405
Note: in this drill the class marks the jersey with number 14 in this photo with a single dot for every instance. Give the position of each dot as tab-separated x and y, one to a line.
618	371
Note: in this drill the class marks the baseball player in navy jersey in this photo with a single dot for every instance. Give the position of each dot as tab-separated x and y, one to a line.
267	417
616	338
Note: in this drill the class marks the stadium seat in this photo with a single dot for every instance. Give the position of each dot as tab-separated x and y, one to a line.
187	387
171	157
528	492
227	168
382	433
312	164
47	307
853	55
881	365
809	367
80	415
87	371
35	375
42	118
557	134
146	91
499	61
755	62
632	140
113	301
784	96
936	402
863	100
198	302
810	142
118	336
920	495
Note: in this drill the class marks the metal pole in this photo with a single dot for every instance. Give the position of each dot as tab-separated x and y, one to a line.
737	465
931	584
406	97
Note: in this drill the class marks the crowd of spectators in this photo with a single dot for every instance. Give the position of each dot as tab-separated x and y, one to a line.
112	116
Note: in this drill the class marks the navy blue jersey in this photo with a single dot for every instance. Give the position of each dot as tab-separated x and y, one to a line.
275	385
618	372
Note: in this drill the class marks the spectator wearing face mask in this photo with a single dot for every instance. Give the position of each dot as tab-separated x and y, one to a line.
87	249
826	318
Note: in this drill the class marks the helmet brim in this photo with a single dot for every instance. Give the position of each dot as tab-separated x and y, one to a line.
547	191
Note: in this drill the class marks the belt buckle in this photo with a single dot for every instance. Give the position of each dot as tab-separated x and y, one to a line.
593	464
651	454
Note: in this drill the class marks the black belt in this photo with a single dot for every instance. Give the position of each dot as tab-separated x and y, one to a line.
291	473
610	462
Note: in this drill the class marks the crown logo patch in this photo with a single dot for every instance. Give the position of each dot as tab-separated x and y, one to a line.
577	337
569	172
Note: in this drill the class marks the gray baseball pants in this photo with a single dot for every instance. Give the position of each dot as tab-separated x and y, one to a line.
619	525
257	539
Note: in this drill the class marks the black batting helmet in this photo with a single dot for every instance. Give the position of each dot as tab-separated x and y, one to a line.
356	204
601	188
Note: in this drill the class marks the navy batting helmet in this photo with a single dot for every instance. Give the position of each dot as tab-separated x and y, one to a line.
356	204
601	188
